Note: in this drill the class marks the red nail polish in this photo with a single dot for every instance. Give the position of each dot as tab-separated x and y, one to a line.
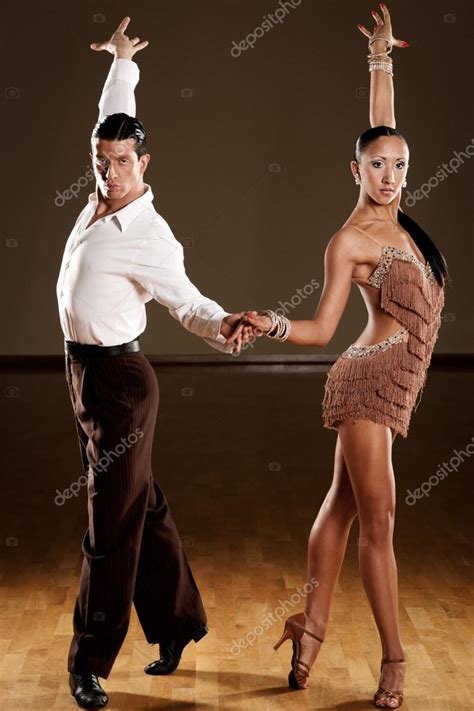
405	44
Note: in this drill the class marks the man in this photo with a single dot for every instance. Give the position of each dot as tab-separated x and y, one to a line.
120	254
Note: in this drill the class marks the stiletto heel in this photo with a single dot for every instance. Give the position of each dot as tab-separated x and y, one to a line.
286	635
381	694
294	630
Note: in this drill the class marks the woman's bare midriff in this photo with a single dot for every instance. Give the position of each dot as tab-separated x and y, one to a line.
380	325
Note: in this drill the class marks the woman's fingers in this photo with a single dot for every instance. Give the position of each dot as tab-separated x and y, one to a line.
98	46
365	31
261	323
385	12
377	18
400	43
384	25
248	334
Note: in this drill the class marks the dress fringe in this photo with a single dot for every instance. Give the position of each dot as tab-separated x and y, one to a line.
384	386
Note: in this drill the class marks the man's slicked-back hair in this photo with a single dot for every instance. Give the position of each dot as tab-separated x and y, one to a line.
120	127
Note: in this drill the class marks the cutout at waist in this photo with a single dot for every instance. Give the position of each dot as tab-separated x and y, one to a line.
358	350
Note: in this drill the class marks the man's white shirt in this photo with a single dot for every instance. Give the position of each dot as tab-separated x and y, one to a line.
111	269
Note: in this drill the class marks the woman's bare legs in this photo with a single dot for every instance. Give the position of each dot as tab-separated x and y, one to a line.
367	449
326	549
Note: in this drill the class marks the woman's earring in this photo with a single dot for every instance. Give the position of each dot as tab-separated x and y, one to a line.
357	180
404	184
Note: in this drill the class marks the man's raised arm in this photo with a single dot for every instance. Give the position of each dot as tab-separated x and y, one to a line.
118	93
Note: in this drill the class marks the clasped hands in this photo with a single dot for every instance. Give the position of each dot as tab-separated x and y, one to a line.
243	327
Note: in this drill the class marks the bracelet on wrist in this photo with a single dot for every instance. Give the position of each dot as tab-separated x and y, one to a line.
280	326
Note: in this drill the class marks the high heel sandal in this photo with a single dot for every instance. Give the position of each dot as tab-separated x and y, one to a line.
294	630
382	694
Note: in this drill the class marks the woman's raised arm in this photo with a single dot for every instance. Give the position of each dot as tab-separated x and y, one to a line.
381	41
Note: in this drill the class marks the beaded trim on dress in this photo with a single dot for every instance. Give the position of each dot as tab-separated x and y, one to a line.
390	253
384	387
361	351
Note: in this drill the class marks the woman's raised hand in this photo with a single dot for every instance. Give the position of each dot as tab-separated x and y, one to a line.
382	29
119	44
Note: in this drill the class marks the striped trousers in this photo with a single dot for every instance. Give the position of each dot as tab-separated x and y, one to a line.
131	548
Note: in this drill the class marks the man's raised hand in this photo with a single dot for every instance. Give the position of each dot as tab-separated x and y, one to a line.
119	44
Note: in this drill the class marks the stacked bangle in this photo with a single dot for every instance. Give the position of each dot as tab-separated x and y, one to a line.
381	60
280	327
385	38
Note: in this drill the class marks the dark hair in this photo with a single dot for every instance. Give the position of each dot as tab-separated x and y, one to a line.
425	244
120	127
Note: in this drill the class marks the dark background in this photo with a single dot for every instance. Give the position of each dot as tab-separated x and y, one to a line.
253	166
241	453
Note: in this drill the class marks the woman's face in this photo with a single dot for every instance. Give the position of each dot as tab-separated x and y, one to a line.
382	169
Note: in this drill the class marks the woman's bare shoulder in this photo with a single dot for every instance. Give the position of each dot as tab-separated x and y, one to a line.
346	240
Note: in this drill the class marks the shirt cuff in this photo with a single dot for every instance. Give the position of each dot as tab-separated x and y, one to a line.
125	70
214	326
219	345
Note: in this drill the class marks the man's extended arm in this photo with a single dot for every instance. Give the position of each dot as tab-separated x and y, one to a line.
163	275
118	94
158	267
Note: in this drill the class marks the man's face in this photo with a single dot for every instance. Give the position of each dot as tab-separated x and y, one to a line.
117	168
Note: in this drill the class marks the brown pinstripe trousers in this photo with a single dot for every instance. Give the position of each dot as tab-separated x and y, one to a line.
132	550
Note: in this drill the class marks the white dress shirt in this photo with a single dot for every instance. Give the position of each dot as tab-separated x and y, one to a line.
111	269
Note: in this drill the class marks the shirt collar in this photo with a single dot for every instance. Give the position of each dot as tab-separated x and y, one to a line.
126	214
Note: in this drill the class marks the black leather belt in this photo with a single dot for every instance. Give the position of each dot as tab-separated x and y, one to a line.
86	349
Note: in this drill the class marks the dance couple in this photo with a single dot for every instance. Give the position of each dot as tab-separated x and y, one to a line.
121	254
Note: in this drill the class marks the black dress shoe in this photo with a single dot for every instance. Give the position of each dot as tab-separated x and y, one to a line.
170	654
87	691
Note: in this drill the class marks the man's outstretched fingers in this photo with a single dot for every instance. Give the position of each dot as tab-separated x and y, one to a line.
141	45
123	25
235	333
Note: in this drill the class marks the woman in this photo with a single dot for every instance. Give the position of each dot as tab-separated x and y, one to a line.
371	389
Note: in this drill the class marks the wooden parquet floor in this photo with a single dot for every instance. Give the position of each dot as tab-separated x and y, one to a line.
245	463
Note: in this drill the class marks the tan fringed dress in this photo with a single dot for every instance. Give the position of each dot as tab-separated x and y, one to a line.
381	381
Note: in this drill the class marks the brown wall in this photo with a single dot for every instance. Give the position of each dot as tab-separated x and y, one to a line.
298	99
